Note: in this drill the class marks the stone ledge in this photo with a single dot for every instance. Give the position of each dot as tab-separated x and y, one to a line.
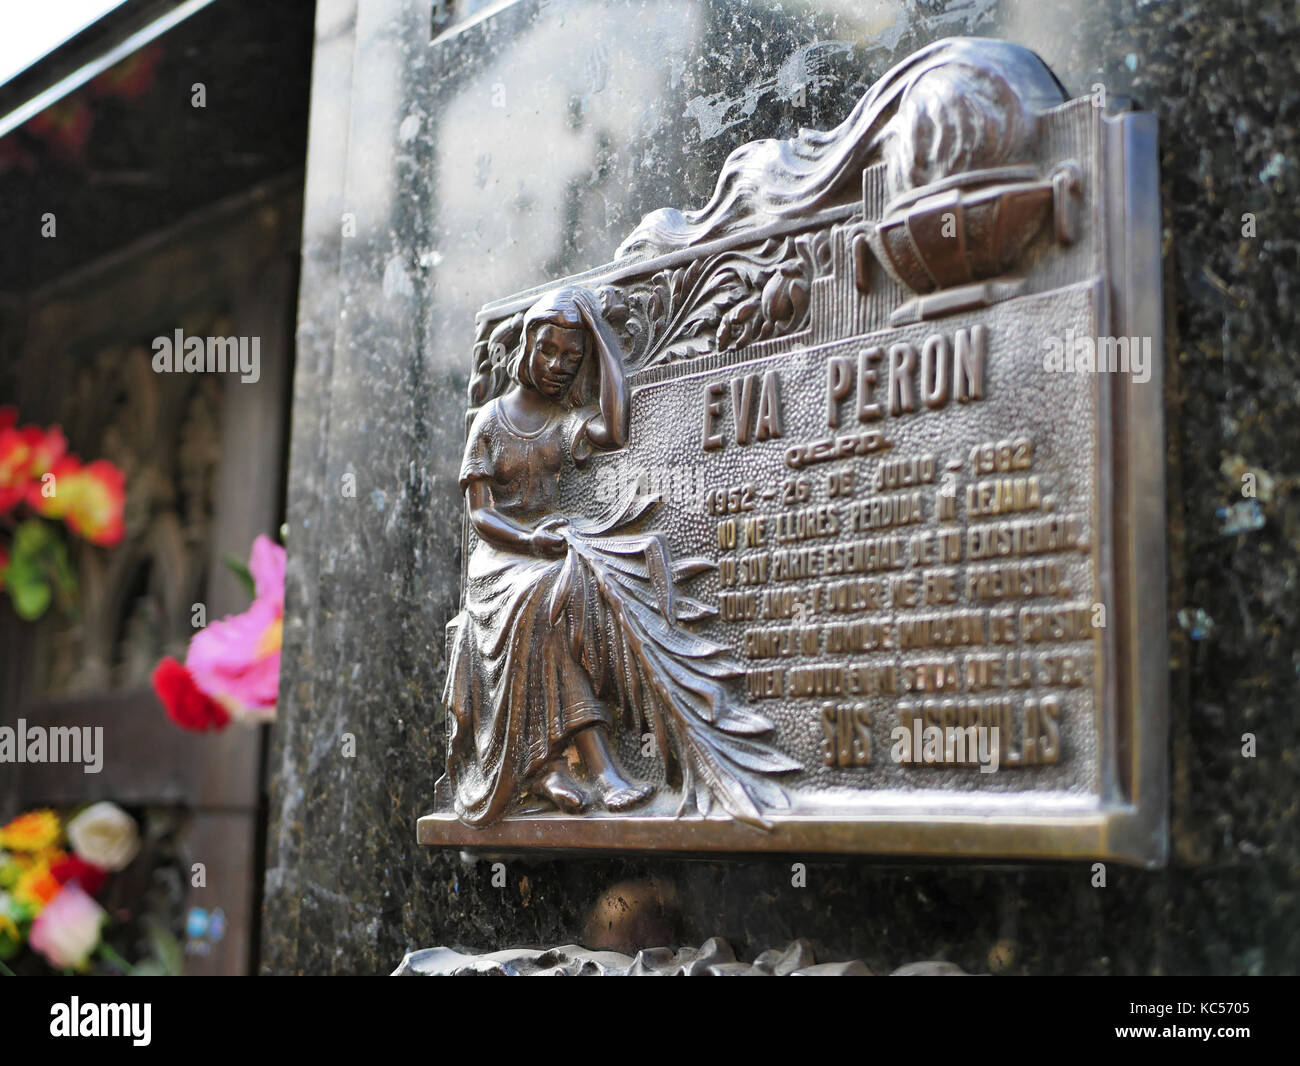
1112	833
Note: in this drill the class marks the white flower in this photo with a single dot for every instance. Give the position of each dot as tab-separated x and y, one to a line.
105	835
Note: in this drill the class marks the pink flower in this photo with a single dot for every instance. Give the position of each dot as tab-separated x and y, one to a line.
236	661
67	930
266	564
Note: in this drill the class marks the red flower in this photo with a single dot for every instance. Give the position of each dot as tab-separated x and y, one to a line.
26	454
47	448
51	503
186	705
15	458
74	868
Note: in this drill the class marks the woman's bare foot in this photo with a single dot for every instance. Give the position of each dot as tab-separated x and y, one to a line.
562	790
617	793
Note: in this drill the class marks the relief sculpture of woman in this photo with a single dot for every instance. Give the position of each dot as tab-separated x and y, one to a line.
572	625
518	695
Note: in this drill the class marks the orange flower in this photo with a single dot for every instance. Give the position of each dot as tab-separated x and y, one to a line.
35	466
90	499
37	886
33	831
54	502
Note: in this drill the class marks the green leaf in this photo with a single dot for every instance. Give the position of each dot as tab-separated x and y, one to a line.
28	590
37	569
62	574
165	949
241	571
31	538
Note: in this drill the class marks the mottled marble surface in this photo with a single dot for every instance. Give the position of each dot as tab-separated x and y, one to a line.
425	200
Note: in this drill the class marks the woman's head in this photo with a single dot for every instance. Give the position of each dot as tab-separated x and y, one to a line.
555	343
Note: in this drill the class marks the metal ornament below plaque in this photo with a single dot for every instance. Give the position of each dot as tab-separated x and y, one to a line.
811	524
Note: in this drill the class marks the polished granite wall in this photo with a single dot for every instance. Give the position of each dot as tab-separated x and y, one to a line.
523	145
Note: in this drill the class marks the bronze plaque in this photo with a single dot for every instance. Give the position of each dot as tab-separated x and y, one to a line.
830	517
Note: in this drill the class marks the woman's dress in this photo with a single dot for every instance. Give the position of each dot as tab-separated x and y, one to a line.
514	691
543	646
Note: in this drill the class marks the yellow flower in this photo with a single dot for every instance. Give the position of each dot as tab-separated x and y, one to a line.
37	886
10	867
33	831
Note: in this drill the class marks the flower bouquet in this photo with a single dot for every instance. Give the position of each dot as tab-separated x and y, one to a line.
48	890
40	480
232	668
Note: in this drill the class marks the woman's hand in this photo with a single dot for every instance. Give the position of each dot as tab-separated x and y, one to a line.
547	537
